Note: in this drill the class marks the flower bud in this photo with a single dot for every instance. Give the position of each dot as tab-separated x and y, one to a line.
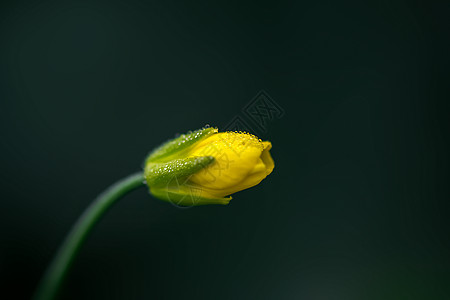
206	166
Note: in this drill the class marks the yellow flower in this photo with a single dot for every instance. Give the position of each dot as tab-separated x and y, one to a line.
205	166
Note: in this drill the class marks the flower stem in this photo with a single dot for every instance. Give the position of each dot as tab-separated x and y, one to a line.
58	269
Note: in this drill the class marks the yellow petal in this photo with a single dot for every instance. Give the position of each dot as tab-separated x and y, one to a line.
267	158
261	170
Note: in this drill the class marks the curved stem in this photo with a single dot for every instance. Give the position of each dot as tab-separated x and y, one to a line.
56	272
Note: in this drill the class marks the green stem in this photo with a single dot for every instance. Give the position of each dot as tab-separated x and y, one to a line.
54	276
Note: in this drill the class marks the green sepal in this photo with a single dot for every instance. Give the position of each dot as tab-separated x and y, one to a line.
174	148
186	197
161	174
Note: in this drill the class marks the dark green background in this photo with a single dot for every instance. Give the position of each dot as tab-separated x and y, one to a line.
357	207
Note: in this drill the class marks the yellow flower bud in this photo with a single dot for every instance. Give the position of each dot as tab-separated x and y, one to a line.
205	166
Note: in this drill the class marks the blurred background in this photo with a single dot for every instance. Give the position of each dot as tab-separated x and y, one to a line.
353	96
